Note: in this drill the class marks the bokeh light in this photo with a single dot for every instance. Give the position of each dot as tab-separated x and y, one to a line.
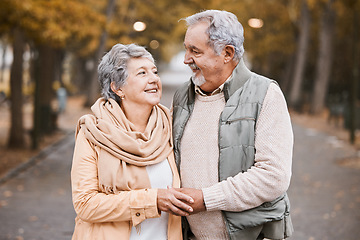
139	26
154	44
255	22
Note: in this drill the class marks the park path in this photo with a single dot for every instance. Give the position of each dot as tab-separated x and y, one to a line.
325	196
36	203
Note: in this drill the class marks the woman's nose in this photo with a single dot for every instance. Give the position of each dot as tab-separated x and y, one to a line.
154	78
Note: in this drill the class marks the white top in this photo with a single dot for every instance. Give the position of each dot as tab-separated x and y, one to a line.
160	176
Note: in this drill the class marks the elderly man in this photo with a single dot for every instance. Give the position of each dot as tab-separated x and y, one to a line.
232	136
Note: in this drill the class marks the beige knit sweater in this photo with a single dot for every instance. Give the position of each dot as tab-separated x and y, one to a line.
266	180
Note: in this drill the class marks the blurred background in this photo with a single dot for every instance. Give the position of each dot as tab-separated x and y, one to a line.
49	51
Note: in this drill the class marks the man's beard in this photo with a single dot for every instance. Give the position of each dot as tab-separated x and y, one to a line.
198	81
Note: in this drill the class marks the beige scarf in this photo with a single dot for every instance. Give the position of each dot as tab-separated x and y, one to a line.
123	152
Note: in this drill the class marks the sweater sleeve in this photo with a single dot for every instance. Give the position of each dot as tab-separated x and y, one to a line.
94	206
270	176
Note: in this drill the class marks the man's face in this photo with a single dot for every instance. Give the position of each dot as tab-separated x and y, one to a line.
207	66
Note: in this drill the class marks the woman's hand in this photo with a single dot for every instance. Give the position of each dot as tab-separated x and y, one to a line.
172	201
198	204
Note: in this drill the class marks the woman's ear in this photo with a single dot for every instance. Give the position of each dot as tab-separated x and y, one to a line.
117	91
229	53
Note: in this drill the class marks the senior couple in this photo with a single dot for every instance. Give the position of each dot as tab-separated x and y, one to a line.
228	138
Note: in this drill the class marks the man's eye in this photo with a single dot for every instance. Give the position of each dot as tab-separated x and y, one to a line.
141	73
156	72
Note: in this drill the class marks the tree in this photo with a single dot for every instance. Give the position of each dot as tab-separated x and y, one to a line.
324	59
44	76
93	89
301	55
355	74
48	26
17	39
355	81
16	137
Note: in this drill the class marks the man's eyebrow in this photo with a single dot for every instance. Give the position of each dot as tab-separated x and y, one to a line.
192	47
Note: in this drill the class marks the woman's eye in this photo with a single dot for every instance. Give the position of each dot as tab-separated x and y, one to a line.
141	73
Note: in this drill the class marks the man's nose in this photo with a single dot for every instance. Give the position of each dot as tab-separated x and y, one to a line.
187	58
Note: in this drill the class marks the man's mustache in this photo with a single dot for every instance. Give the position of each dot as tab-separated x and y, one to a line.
193	66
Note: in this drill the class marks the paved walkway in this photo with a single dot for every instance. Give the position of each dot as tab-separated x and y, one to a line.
36	204
325	196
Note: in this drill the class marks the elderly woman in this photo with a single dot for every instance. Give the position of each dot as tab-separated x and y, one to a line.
123	171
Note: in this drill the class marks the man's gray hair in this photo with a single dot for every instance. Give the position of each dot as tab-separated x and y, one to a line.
224	29
113	67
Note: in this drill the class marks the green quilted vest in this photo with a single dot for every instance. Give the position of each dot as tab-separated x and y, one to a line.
244	94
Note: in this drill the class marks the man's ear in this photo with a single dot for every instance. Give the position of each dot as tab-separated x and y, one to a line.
229	53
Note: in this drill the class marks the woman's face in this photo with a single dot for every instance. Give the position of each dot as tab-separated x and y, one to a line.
143	87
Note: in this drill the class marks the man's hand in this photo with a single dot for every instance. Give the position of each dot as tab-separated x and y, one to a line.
172	201
197	195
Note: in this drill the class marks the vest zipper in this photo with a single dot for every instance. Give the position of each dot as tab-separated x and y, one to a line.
239	119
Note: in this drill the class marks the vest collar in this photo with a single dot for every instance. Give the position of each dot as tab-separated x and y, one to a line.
239	77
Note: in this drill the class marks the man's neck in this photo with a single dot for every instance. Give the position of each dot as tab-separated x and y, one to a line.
229	68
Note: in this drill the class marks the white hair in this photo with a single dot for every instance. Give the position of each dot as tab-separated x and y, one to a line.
224	29
113	67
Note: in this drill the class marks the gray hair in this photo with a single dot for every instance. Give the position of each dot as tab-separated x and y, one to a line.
224	29
113	67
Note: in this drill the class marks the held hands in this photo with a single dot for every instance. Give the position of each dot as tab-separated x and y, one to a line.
172	201
197	195
180	201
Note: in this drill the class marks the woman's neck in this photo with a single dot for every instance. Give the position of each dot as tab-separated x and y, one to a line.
138	116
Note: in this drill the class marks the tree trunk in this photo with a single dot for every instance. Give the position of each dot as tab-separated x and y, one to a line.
287	75
60	56
79	74
301	56
355	80
324	60
44	76
16	138
93	91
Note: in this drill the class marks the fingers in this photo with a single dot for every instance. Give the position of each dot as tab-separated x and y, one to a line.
197	196
177	211
169	200
179	199
181	196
